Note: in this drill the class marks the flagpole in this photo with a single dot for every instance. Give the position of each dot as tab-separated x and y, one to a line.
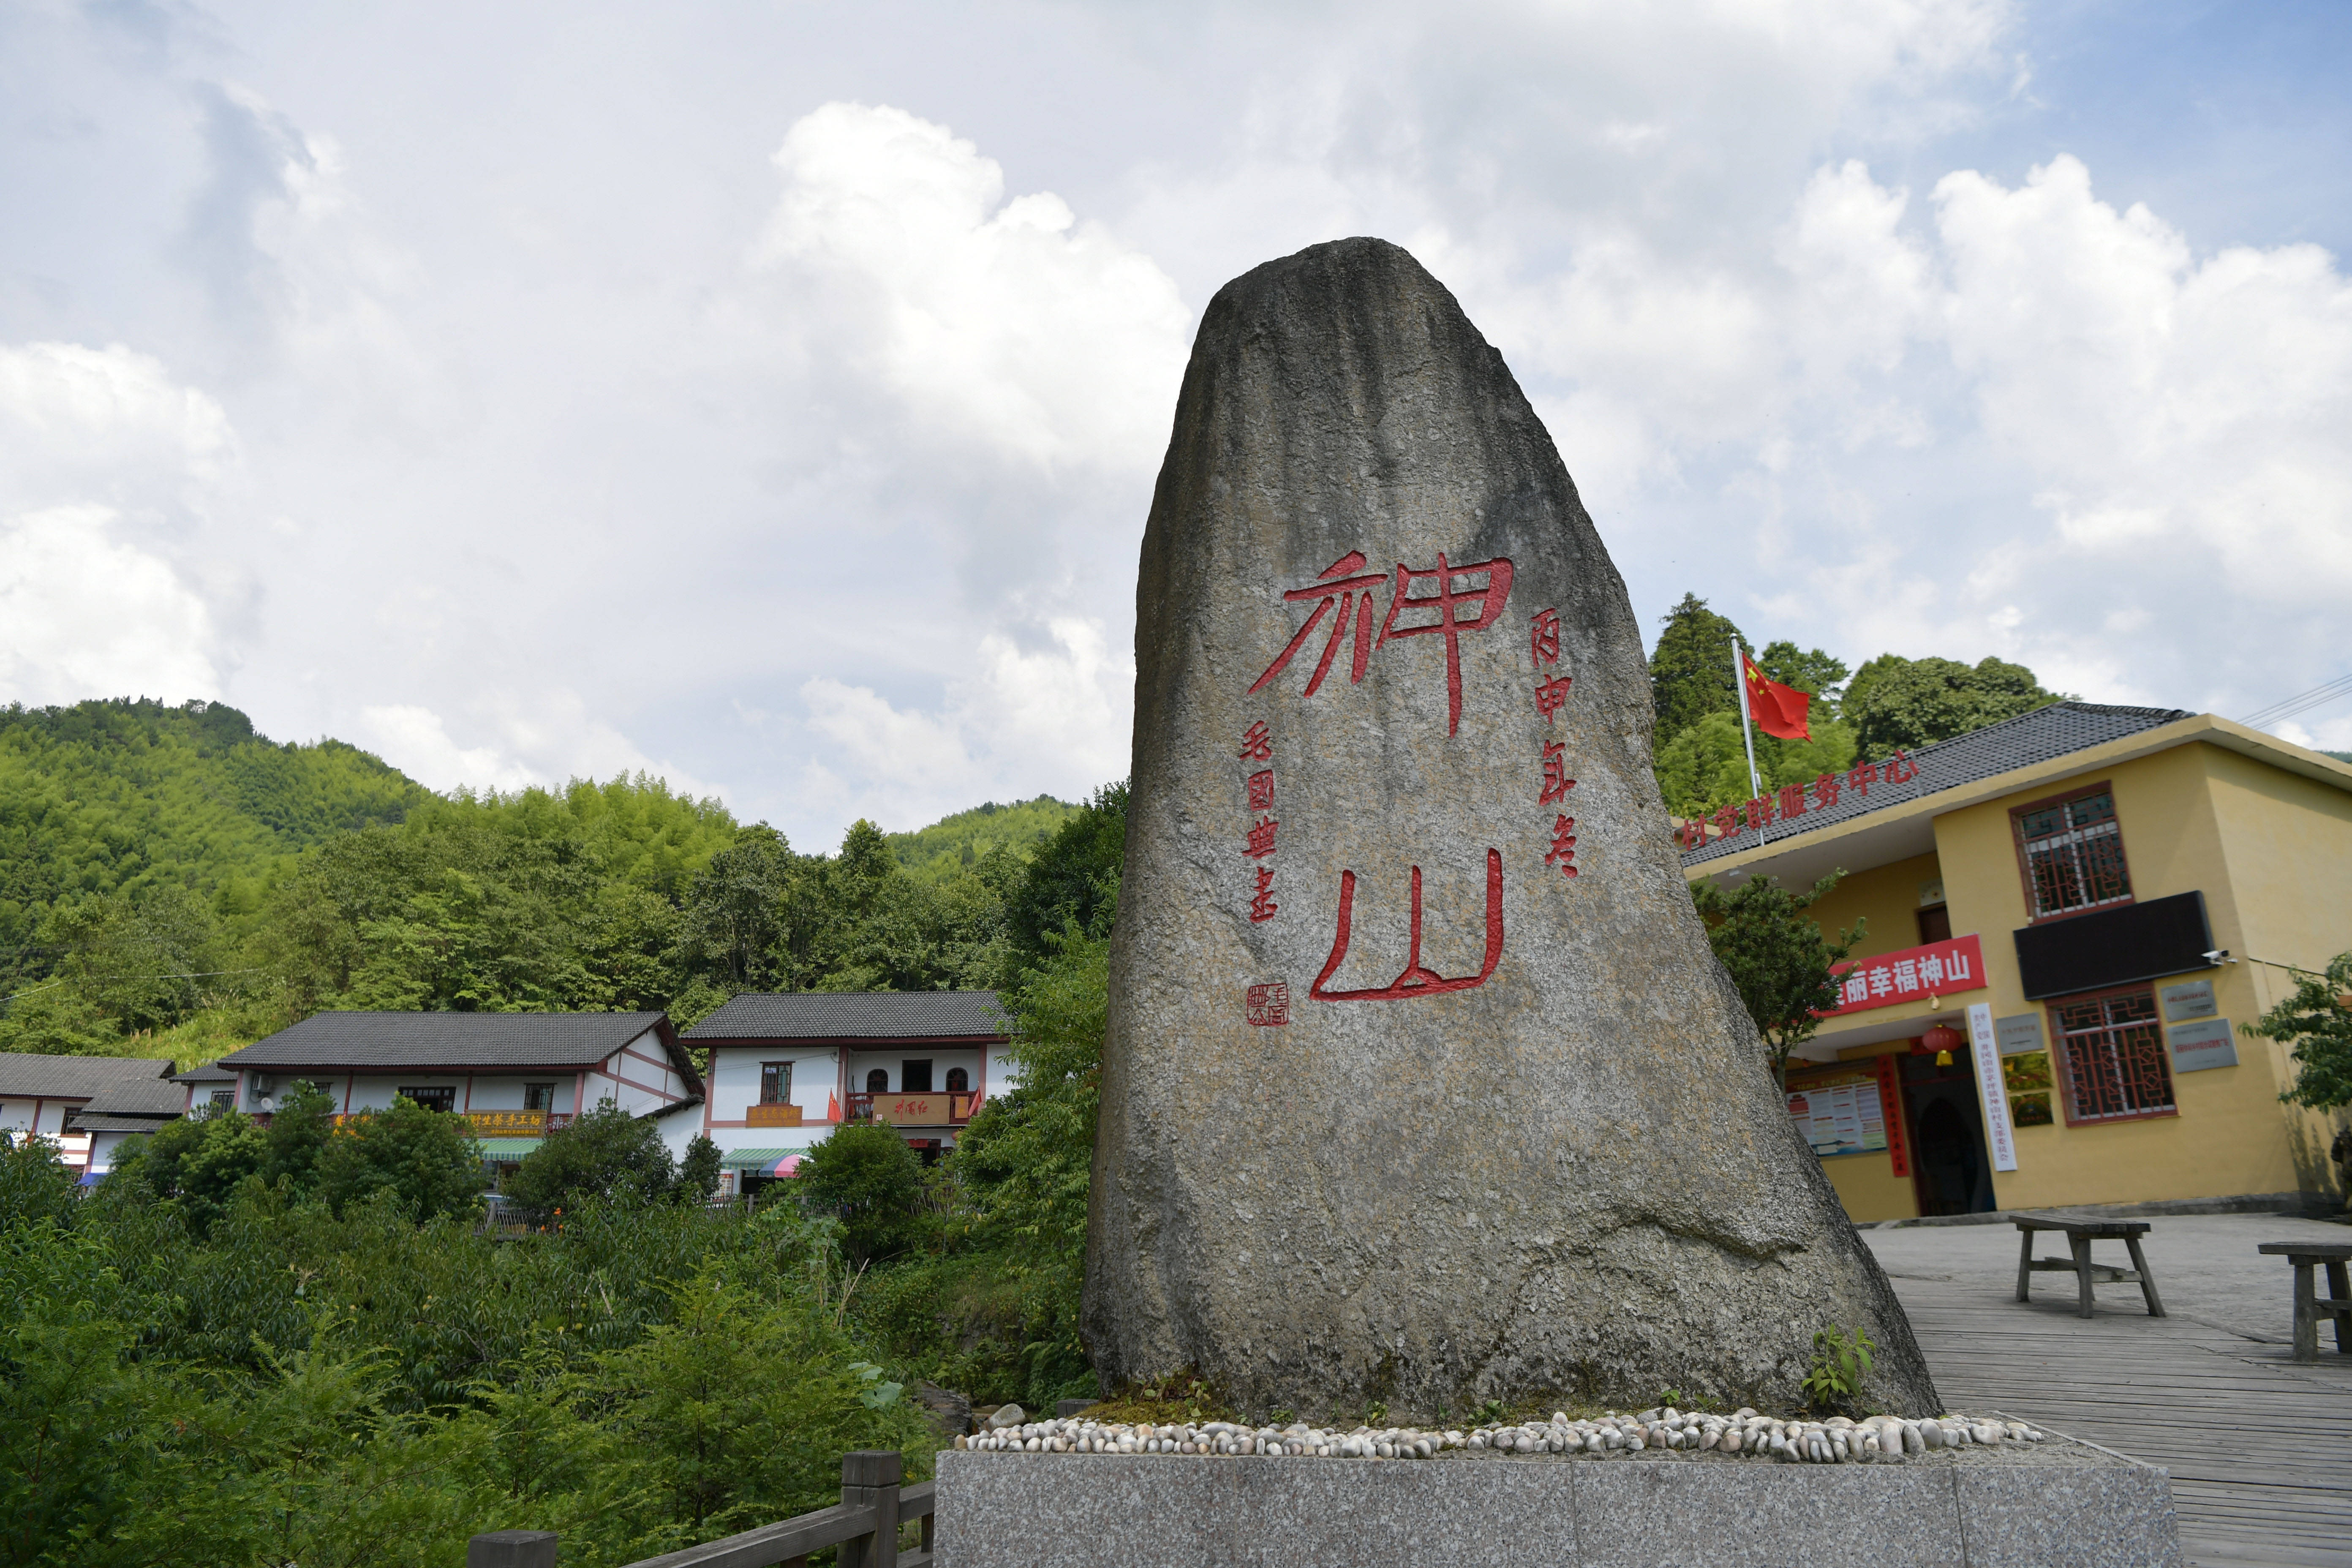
1739	679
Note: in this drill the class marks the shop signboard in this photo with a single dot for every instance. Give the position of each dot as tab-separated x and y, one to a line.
1913	975
2019	1034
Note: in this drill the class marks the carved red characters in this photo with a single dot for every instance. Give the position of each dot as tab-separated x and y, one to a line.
1344	584
1415	979
1563	845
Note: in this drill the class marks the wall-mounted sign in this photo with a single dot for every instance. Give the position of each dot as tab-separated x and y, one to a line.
2206	1044
1840	1119
2019	1033
2190	999
506	1124
772	1116
1989	1087
1913	974
924	1109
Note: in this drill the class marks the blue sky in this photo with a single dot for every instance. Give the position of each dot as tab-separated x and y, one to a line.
769	397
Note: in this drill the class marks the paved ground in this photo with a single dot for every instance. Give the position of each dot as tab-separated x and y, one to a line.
2259	1446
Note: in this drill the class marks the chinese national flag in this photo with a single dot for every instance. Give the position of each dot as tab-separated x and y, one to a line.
1778	710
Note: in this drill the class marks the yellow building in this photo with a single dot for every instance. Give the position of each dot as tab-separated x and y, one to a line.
2087	902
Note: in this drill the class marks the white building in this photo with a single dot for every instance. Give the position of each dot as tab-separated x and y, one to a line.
86	1105
785	1068
515	1076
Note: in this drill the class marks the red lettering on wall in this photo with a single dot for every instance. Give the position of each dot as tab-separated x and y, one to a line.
1261	790
1257	744
1261	837
1415	979
1489	600
1333	586
1550	694
1555	781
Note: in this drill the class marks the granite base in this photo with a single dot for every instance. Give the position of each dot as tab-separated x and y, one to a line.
1064	1510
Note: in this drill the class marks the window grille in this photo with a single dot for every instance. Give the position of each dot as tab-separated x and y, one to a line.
2075	855
539	1097
2115	1056
775	1083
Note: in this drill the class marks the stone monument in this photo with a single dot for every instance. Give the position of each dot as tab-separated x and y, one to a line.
1420	1084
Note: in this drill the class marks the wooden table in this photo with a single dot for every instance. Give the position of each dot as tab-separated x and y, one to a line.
2309	1305
2080	1234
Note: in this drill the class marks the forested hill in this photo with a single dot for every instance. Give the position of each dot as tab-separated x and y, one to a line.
953	843
120	796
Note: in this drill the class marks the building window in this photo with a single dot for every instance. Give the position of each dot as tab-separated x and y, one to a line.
2113	1046
2073	853
1935	924
958	1081
539	1097
432	1099
914	1077
775	1083
224	1098
877	1081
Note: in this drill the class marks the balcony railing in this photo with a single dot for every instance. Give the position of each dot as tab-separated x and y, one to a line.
944	1109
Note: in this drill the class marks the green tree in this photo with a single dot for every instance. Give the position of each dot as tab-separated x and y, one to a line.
863	1175
738	919
697	1173
422	1163
1073	880
2314	1025
1706	766
605	1154
34	1185
196	1164
1778	958
1690	669
1808	670
1896	703
297	1136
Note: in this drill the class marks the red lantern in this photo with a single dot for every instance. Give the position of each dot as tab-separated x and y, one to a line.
1942	1039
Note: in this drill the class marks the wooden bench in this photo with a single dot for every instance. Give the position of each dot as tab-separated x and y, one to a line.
2080	1234
2309	1305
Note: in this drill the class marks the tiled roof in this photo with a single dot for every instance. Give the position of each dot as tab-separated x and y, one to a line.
206	1072
93	1121
139	1097
25	1074
855	1016
467	1041
2019	743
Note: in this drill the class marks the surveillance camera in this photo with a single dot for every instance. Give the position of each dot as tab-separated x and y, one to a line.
2219	955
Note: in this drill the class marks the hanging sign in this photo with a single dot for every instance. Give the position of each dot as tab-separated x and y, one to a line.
1938	969
1985	1046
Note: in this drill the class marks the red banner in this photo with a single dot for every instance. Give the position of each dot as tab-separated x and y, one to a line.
1938	969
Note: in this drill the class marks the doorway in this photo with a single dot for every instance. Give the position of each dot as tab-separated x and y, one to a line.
1950	1172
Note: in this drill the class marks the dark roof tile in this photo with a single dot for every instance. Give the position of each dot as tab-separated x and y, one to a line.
855	1016
25	1074
2019	743
415	1041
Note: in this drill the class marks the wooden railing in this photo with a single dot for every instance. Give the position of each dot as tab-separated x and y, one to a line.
864	1524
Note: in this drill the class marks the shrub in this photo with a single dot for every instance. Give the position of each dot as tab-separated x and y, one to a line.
607	1154
866	1175
426	1163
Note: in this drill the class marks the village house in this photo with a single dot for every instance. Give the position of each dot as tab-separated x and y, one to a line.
785	1068
517	1077
2068	915
87	1105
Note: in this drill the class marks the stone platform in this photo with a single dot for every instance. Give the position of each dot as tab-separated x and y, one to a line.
2080	1507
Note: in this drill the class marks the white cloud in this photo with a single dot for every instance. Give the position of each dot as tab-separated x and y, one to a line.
2163	405
1010	324
548	740
106	469
1053	716
83	615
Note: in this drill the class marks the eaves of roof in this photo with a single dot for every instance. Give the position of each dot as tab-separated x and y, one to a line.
1908	828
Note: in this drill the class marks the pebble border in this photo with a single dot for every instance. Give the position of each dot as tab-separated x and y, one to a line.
1877	1439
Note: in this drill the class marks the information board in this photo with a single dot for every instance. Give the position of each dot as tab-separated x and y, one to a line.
1840	1119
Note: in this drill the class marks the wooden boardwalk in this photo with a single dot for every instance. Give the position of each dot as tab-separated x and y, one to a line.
2276	1489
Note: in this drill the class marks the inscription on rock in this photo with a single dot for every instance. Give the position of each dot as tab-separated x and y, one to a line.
1420	1084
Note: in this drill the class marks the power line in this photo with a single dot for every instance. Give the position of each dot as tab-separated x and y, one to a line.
2301	702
